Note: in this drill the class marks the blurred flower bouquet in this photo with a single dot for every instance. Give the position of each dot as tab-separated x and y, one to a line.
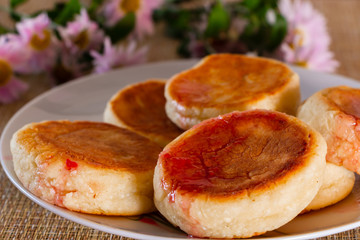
291	31
74	39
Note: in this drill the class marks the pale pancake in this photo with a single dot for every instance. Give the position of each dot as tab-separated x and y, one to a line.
337	184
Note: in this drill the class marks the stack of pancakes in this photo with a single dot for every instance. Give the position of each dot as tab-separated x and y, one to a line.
216	150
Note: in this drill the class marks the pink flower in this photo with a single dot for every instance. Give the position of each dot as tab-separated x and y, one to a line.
38	39
11	56
72	64
82	34
114	10
307	41
312	58
114	57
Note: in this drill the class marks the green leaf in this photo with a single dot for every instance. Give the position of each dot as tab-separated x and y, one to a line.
15	3
94	5
177	21
179	26
251	4
219	20
277	33
53	13
15	16
260	35
183	48
70	9
3	30
122	28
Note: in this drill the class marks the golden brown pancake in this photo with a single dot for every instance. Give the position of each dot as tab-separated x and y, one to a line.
86	166
140	107
335	113
222	83
240	174
345	99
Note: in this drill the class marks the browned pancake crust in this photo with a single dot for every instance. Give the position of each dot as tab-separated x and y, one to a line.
100	145
346	99
141	107
235	153
241	79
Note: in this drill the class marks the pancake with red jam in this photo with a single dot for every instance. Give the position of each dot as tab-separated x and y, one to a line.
240	174
87	167
222	83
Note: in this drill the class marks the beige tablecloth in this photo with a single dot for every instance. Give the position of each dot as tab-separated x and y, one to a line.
20	218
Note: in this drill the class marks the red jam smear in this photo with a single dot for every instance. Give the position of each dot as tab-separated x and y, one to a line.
148	221
232	153
70	165
228	74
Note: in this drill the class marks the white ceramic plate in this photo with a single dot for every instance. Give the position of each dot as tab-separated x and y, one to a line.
85	99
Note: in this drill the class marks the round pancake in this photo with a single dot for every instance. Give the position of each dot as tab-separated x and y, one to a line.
335	113
140	107
240	174
222	83
336	185
87	167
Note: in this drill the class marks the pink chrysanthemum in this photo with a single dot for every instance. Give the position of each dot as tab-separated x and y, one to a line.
114	10
72	64
115	57
11	56
82	34
307	42
38	39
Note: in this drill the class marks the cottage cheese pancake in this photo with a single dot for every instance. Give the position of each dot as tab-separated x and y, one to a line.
141	108
240	174
222	83
337	183
86	166
335	113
